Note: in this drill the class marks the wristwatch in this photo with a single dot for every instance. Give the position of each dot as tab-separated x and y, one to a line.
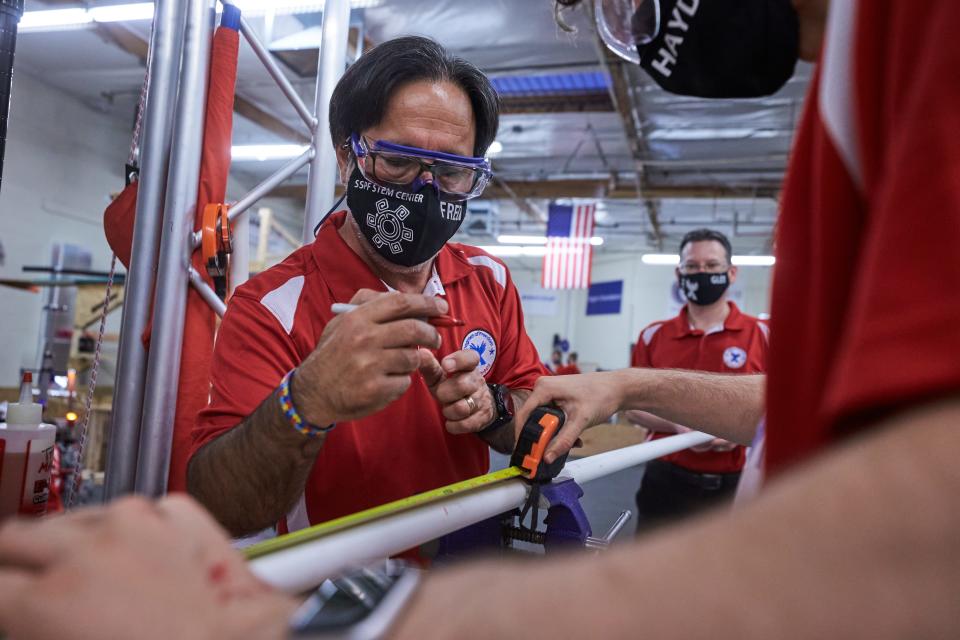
502	404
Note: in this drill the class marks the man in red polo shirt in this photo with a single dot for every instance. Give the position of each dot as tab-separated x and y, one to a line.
709	334
313	416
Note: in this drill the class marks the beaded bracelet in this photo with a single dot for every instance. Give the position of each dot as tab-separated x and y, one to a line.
290	410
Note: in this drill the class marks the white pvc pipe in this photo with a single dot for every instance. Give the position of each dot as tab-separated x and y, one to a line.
306	565
604	464
298	568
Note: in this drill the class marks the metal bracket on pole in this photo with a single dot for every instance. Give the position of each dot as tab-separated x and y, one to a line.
163	369
323	168
165	47
209	295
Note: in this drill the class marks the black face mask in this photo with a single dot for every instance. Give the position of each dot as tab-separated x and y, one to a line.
704	288
406	227
723	48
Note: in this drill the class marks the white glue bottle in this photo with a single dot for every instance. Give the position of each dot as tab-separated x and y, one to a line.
26	455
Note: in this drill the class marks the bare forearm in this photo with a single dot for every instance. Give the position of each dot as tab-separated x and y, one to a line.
651	422
727	406
859	544
504	439
251	476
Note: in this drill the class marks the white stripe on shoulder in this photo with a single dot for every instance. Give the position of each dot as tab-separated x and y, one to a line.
765	330
649	332
499	271
282	302
837	86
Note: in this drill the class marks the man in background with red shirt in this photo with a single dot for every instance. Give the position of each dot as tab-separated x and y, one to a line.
709	334
571	367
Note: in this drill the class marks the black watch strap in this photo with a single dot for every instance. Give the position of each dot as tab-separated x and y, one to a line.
502	404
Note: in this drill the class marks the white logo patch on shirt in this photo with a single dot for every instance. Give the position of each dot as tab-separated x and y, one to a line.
486	347
734	357
389	226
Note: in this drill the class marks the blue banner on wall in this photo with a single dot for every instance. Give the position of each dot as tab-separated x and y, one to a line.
604	297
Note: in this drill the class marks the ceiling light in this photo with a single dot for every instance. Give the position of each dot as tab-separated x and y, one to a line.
53	19
56	19
262	152
754	261
673	260
495	147
122	12
506	239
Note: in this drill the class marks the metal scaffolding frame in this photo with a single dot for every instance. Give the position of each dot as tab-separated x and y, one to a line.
144	401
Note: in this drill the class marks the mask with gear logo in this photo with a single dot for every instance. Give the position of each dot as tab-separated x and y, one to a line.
406	226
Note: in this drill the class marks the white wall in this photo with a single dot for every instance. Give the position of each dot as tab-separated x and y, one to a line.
63	160
604	340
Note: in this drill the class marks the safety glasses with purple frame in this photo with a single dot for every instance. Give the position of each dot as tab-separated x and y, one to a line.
454	177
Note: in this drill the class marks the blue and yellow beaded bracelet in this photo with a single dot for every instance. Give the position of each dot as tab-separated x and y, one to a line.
290	410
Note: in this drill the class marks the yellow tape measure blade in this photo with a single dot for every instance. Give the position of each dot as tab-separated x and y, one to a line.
374	513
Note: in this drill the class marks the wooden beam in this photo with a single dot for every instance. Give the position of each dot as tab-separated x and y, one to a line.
119	35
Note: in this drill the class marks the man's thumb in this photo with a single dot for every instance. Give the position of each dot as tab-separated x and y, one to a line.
430	368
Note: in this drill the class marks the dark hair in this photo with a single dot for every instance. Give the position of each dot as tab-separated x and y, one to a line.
360	99
699	235
572	356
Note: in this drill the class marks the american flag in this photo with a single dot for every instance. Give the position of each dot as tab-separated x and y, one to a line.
566	264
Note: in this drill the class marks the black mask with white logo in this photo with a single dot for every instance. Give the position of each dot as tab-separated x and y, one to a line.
406	227
704	288
723	48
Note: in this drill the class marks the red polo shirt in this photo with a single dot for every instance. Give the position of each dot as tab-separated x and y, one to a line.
739	346
865	321
274	321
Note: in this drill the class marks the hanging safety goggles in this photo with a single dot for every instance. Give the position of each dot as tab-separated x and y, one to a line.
455	177
624	25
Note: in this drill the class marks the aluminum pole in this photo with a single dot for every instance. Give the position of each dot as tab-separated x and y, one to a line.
124	440
306	565
163	368
206	292
333	59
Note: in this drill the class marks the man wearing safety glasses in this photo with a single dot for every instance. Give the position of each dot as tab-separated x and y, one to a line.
313	416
